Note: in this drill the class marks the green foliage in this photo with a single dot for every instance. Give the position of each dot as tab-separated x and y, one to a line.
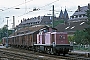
88	15
79	37
56	22
83	36
87	30
3	32
71	38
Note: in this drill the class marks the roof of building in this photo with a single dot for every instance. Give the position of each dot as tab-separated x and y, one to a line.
35	19
71	27
80	14
63	15
82	11
40	20
66	14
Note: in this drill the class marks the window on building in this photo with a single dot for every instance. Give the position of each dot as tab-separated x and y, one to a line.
67	27
82	23
79	15
76	16
83	15
72	27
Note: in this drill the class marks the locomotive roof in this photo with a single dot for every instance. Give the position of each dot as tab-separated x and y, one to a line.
59	33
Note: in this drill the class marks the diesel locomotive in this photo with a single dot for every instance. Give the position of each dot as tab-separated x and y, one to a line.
40	38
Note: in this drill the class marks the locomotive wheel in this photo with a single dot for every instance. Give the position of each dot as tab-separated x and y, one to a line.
63	54
48	52
51	51
57	54
38	50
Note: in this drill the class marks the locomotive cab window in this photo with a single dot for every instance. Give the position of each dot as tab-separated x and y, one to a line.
62	37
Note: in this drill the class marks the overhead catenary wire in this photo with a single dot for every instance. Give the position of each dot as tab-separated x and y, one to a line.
17	5
26	6
39	8
2	10
49	4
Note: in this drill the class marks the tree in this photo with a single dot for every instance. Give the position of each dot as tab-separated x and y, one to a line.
79	37
3	32
71	38
87	30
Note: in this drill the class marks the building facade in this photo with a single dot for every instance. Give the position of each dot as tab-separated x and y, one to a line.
76	21
80	14
43	20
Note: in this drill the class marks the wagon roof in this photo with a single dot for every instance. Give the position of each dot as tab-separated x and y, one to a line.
28	30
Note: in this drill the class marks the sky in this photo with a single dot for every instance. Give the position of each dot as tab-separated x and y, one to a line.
7	9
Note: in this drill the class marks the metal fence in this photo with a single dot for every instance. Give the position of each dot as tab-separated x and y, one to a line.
81	47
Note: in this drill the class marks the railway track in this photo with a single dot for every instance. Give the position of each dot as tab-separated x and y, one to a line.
16	54
22	54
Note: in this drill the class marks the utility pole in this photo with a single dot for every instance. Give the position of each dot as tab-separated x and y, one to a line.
7	33
53	18
13	22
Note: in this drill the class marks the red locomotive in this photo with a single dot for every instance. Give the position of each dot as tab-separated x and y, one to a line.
40	38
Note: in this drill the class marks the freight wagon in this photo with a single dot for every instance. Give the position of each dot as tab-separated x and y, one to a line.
42	39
